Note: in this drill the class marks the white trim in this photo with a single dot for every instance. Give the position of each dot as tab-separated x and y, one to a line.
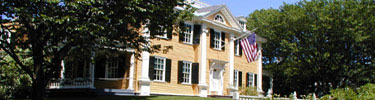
221	25
220	46
259	79
163	70
190	72
221	18
236	78
248	80
191	33
237	48
131	72
231	60
203	64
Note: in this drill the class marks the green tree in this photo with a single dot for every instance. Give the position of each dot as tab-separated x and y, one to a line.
51	28
317	45
15	83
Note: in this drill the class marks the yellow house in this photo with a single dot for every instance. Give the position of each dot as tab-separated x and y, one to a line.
205	60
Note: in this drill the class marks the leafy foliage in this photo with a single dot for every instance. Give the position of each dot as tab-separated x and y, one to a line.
365	92
15	83
317	45
51	29
251	91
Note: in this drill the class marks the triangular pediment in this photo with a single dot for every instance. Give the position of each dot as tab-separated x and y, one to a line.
229	19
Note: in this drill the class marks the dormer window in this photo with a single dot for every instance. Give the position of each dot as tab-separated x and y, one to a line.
242	24
219	18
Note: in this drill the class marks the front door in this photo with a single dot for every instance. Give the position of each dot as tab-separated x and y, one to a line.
216	79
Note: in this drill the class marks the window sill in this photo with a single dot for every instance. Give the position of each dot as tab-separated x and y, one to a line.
237	55
165	38
186	84
159	81
187	43
217	49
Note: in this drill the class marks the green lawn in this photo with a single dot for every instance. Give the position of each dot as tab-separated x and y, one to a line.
138	98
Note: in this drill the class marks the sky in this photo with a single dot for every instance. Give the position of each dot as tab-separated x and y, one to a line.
245	7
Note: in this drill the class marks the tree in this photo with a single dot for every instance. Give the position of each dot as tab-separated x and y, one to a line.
317	45
51	28
15	83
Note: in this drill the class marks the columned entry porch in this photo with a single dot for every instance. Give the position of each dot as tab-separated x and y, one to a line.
104	69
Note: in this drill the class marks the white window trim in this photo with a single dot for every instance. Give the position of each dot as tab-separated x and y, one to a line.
164	65
243	24
164	36
252	81
107	69
190	73
191	33
220	40
236	78
237	45
221	16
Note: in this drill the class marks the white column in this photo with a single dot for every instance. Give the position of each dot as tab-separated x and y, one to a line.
203	64
131	72
62	69
144	80
231	59
233	89
259	83
92	69
270	90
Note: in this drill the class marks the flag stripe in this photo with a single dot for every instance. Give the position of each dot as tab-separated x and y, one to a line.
249	46
245	49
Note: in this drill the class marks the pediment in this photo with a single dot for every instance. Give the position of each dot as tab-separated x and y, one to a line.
229	19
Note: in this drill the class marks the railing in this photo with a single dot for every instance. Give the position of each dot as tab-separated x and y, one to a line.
70	83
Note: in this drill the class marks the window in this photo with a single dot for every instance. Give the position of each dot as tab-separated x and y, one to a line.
217	40
165	33
250	79
219	18
159	69
188	34
243	25
6	32
235	78
237	47
186	71
76	68
112	69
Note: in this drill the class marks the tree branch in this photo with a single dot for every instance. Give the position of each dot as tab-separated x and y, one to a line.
10	50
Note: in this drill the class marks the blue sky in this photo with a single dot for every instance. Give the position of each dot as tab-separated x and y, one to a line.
245	7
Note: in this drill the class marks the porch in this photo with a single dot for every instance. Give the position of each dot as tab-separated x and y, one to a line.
103	70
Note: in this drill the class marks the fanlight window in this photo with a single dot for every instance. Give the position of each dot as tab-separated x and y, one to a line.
219	18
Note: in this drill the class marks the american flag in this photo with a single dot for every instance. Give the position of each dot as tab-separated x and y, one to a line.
249	46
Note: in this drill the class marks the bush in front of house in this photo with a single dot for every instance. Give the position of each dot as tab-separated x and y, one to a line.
250	91
365	92
14	82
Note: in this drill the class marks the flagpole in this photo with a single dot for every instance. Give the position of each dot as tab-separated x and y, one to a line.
245	35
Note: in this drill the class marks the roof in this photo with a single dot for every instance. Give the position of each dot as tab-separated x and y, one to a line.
209	9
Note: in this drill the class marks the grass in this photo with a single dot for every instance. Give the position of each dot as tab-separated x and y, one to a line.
137	98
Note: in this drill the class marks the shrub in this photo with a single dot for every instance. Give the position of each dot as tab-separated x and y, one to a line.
365	92
15	83
251	91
